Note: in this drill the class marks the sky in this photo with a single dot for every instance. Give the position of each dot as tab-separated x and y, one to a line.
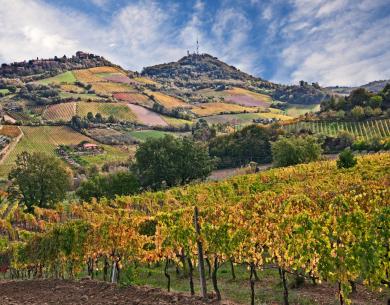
333	42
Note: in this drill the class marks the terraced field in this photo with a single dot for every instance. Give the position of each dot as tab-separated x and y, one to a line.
119	110
362	130
60	112
207	109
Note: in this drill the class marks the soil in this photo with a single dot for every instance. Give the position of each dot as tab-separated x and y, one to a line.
45	292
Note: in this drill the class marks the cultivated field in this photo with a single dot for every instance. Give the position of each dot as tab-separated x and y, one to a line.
72	88
207	109
109	88
105	69
67	77
247	98
244	118
41	139
134	98
147	117
363	130
47	138
175	121
60	112
167	101
86	76
10	131
118	110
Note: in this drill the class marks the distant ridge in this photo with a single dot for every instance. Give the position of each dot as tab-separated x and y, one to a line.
43	68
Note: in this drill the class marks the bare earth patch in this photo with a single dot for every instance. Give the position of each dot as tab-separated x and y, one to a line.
41	292
147	117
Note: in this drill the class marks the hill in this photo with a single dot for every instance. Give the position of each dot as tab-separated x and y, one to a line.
197	67
201	71
374	86
42	68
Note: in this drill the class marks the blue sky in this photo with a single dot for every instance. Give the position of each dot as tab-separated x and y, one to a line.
344	42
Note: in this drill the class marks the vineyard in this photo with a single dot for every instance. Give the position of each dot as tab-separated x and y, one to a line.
119	111
311	222
60	112
47	138
364	130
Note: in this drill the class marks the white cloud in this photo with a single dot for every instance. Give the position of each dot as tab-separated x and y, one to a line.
335	42
140	34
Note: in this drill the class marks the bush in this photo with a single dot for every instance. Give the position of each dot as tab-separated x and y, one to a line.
291	151
346	159
108	186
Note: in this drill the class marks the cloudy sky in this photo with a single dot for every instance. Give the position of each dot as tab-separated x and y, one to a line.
344	42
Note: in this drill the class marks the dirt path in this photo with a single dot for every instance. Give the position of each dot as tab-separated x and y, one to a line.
147	117
45	292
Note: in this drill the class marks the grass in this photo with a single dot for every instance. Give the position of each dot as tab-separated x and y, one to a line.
207	109
119	111
67	77
111	154
295	110
268	290
149	134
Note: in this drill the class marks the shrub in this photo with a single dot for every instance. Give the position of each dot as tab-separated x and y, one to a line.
346	159
291	151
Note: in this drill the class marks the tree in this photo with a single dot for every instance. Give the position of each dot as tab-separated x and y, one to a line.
291	151
252	143
359	97
108	186
171	161
90	117
346	159
358	112
39	180
376	101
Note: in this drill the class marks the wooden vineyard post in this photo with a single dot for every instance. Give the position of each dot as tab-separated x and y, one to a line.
203	284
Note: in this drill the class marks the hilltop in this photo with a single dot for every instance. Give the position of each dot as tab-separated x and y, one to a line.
197	66
42	68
